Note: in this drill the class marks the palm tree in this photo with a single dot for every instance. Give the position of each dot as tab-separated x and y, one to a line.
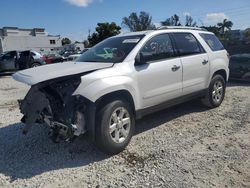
225	25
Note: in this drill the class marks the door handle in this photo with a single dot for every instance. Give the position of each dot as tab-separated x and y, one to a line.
175	68
204	62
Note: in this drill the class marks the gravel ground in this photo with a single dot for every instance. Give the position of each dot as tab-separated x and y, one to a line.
184	146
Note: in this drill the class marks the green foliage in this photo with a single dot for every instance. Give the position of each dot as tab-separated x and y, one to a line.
103	31
225	25
143	21
66	41
138	23
172	21
213	29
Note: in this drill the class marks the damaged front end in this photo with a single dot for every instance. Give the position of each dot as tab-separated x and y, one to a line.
52	103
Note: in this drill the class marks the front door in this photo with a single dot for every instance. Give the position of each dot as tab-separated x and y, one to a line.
160	78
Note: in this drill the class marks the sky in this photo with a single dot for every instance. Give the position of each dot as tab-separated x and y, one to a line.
75	18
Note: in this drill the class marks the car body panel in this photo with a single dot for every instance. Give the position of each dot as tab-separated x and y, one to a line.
157	82
195	72
47	72
240	67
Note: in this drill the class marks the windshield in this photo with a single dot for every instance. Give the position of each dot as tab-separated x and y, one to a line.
112	50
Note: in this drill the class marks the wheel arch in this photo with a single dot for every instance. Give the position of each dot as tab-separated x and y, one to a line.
119	94
221	72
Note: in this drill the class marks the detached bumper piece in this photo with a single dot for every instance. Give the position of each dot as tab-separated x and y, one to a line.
52	104
32	106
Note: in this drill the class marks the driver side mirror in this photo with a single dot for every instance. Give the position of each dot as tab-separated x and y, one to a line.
142	59
138	59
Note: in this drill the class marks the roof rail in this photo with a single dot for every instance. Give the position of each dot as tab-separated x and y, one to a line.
181	27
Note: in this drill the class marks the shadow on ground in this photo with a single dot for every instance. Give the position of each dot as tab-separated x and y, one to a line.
3	74
235	83
33	154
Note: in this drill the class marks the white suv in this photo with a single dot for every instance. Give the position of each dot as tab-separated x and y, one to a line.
144	72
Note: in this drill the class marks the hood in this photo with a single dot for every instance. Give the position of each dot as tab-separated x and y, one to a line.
35	75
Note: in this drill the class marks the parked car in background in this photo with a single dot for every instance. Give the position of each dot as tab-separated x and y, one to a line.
53	58
73	57
239	66
66	54
15	60
36	55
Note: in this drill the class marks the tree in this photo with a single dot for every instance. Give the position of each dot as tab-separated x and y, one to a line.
190	21
66	41
225	25
138	23
213	29
172	21
86	43
103	31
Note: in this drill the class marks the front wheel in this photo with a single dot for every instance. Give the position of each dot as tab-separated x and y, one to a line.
215	93
115	126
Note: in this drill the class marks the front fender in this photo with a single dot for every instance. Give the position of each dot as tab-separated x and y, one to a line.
101	87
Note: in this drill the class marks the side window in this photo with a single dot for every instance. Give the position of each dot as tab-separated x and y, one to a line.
52	41
212	41
157	48
187	44
8	56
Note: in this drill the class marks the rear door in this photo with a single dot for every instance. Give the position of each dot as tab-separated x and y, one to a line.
194	60
8	61
160	78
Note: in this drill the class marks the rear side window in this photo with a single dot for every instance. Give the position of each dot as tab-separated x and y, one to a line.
187	44
212	41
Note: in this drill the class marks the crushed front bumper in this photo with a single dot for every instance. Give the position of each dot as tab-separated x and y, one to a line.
53	105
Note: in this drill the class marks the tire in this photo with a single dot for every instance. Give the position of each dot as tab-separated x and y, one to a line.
114	139
35	65
215	93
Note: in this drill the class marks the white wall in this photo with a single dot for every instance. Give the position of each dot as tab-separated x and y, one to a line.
38	43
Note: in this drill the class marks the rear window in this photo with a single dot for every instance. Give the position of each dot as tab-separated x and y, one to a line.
212	41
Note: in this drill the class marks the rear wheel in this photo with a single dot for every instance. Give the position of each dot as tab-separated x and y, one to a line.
115	126
216	92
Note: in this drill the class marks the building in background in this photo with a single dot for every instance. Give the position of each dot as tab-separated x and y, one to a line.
13	38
